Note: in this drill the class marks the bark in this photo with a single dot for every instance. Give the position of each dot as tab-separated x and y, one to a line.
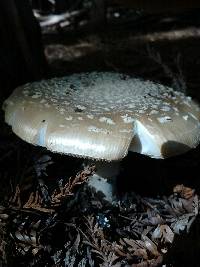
21	52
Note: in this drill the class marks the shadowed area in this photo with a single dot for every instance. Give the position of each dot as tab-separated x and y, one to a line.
171	148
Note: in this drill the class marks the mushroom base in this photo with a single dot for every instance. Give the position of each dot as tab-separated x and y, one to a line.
104	180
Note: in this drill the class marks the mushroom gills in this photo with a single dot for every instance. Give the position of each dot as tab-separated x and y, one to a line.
143	142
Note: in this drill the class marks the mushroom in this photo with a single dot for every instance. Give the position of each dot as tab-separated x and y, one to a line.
101	116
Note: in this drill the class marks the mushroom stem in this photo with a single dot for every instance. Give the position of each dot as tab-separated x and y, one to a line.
104	180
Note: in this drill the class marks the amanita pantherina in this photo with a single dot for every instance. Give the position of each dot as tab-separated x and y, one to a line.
103	115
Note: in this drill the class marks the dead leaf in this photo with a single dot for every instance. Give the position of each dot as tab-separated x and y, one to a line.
183	191
164	233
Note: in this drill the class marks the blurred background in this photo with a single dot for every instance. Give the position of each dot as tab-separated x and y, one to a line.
44	38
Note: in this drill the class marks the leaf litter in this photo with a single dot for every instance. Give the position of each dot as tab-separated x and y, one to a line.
69	225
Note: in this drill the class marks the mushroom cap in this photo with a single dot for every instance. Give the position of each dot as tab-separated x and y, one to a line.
103	115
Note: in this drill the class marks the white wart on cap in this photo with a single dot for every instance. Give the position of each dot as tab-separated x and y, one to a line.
103	115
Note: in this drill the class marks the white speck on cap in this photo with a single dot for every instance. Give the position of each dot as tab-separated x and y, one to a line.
107	120
165	119
127	119
103	115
